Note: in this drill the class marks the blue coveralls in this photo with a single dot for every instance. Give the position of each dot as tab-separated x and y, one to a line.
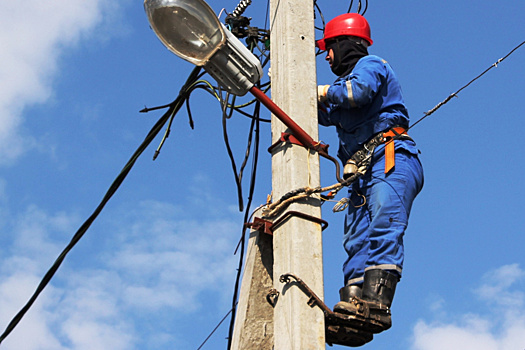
365	102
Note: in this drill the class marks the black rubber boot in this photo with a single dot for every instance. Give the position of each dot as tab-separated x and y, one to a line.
348	325
355	311
350	297
348	292
378	292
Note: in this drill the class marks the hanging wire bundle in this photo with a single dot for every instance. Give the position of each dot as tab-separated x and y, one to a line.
257	40
359	7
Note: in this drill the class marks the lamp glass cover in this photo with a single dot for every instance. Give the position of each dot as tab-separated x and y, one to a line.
188	28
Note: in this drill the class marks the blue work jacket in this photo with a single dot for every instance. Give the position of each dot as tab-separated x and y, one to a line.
365	102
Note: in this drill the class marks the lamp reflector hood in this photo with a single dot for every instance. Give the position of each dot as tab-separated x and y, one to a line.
188	28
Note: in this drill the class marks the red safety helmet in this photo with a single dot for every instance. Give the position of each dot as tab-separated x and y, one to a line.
352	24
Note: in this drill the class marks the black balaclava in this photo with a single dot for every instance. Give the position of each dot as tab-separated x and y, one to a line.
347	51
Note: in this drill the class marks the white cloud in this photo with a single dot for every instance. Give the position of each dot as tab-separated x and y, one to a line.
497	284
90	314
34	332
500	326
33	34
156	262
171	258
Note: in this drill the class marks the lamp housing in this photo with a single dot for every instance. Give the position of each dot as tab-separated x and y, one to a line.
191	30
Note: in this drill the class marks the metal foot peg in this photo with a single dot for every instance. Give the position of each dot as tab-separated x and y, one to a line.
340	329
359	314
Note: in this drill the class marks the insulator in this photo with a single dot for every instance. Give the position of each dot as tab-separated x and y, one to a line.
239	10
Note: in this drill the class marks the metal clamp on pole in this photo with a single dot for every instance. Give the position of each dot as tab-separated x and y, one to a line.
301	135
268	227
314	299
340	329
304	216
260	225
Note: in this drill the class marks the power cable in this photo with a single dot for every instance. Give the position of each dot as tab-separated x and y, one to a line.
366	8
173	109
294	195
238	176
213	331
254	130
359	6
439	105
255	160
301	193
248	148
350	7
267	14
187	92
213	90
320	15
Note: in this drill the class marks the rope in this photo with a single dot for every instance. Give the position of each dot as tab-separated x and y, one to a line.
273	209
295	195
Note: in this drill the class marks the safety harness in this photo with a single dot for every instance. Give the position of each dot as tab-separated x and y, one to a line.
360	160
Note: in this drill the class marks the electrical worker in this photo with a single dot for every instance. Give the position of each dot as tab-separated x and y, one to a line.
366	106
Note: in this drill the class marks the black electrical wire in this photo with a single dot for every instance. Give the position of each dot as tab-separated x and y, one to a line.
238	175
246	218
213	331
214	93
428	113
248	148
242	242
359	5
173	109
238	110
238	183
366	8
350	7
320	15
190	118
187	93
263	52
227	109
319	51
267	14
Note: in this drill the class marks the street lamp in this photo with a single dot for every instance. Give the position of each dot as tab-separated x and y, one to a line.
191	30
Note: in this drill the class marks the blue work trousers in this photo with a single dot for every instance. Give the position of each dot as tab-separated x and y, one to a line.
378	214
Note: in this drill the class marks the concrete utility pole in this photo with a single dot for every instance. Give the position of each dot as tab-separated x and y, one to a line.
297	244
254	317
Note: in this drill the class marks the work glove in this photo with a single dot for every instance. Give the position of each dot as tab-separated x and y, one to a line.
321	93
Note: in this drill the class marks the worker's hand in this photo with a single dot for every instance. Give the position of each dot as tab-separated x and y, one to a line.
321	93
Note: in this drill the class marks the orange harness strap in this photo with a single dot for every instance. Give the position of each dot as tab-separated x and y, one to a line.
388	139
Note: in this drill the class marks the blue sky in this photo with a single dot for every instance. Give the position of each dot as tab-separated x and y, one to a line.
156	270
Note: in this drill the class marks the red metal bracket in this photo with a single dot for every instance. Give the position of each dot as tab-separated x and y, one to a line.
269	227
290	138
261	225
